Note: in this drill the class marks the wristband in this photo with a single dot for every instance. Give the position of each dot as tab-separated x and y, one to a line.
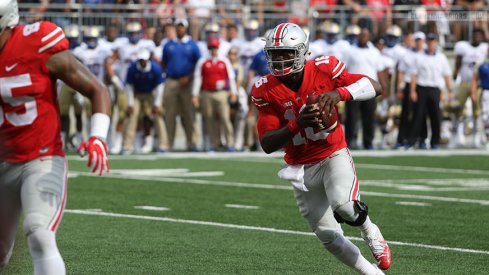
293	126
100	123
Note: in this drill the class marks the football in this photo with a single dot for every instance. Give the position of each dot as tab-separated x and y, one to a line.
329	121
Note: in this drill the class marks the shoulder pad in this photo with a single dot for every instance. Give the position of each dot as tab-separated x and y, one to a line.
330	65
460	47
46	37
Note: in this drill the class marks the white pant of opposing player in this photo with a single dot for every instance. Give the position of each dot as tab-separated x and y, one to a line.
332	183
38	189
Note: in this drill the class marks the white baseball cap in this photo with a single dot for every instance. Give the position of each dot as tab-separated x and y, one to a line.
144	54
181	21
419	35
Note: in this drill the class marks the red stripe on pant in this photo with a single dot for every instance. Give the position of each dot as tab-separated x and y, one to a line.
63	200
356	184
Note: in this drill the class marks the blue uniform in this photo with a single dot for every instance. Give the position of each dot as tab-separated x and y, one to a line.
144	82
180	57
259	64
484	75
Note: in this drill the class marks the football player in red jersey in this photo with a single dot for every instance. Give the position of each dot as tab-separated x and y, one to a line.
33	167
319	165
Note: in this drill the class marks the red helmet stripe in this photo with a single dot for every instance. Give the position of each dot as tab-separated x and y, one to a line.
278	33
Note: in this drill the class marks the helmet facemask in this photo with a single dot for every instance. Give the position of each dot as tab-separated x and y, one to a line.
286	48
284	61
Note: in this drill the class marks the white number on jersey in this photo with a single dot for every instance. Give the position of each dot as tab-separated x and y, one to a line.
261	81
31	28
6	86
321	60
298	139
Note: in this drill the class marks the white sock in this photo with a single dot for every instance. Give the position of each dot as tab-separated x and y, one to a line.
368	227
45	255
345	251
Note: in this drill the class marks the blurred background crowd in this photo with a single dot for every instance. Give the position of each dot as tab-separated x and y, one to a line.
180	72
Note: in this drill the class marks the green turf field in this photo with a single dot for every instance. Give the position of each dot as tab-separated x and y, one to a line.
232	215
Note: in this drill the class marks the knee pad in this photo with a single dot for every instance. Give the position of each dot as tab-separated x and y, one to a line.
326	235
353	213
34	222
42	243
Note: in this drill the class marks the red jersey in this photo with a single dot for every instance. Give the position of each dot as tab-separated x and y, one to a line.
277	105
216	73
29	112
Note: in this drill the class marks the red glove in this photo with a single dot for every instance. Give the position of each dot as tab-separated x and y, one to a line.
97	154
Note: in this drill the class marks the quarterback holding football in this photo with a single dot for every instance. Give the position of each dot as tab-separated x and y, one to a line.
297	112
33	166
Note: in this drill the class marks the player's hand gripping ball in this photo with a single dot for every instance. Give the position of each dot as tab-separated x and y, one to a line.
328	122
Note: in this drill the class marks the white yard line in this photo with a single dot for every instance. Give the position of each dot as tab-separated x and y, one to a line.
152	208
263	229
282	187
421	169
413	203
240	206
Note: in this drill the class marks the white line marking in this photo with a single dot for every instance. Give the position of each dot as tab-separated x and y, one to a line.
413	203
284	187
421	169
179	172
264	229
152	208
242	206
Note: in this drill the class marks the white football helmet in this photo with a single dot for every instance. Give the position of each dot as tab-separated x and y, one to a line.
9	14
286	36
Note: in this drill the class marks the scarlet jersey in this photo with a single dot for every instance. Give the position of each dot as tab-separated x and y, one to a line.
29	112
277	105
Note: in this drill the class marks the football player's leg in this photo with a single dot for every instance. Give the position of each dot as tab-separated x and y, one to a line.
9	210
314	207
65	102
43	196
342	187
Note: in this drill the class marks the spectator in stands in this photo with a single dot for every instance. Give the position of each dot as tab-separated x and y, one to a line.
430	71
144	85
199	12
366	60
214	86
180	56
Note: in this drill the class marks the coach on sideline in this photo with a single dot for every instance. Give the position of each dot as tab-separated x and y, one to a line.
431	69
180	55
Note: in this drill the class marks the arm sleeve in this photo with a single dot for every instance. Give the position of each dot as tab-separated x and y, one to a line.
197	83
231	77
158	96
446	67
130	94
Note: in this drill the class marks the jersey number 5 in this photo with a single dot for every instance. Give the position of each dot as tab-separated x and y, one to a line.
6	86
298	138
